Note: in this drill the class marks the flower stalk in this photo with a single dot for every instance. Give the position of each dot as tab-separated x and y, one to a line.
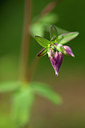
25	43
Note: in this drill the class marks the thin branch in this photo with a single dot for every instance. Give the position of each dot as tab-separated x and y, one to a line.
25	42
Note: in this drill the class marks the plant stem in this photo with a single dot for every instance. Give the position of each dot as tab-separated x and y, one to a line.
33	67
25	42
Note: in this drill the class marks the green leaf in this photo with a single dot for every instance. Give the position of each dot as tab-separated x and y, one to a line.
46	91
42	41
53	32
60	30
43	52
21	107
49	19
9	86
66	37
37	29
40	24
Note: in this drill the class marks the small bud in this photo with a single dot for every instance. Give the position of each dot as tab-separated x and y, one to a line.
68	51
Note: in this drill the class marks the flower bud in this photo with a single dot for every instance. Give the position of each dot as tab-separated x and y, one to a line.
68	51
56	61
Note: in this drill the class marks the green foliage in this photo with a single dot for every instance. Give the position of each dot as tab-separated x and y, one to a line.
42	41
49	19
9	86
46	91
43	52
37	29
66	37
60	30
28	92
22	104
41	24
55	38
53	33
23	98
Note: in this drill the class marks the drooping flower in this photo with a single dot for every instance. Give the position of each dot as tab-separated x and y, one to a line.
55	48
56	61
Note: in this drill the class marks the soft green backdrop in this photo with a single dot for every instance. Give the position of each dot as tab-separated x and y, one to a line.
71	81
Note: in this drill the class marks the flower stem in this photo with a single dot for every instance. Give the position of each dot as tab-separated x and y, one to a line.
33	67
25	42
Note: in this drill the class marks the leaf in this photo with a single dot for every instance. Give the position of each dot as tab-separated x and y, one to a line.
49	19
46	91
37	29
42	41
21	107
43	52
40	24
53	32
67	37
60	30
9	86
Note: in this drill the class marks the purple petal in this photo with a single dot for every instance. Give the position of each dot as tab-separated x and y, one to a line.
60	59
68	51
51	52
56	61
56	56
55	44
58	65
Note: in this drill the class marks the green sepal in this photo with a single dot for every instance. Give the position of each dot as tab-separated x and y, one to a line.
43	52
60	48
42	41
53	33
66	37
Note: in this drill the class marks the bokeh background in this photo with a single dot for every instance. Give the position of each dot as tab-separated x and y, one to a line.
70	83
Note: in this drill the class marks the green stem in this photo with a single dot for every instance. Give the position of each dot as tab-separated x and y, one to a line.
33	67
25	43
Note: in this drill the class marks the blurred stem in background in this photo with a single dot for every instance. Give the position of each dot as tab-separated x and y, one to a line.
24	76
25	43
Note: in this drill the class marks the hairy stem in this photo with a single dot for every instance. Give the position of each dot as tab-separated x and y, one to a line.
25	42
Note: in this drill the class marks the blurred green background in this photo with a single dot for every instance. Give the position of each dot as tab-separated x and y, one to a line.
70	83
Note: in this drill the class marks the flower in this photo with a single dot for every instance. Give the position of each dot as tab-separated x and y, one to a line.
56	57
55	48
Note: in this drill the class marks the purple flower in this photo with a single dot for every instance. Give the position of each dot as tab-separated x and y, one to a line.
55	48
68	51
55	53
56	59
